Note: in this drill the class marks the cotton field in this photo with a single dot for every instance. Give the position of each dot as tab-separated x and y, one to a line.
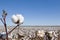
34	33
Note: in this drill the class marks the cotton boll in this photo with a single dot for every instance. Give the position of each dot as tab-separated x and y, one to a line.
51	33
21	18
14	18
41	33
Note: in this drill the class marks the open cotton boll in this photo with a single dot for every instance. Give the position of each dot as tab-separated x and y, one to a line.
14	18
51	33
3	35
41	33
21	18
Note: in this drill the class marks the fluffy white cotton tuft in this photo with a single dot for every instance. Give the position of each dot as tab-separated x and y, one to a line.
21	18
40	33
18	18
14	18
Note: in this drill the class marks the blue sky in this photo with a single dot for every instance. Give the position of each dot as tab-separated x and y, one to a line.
35	12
